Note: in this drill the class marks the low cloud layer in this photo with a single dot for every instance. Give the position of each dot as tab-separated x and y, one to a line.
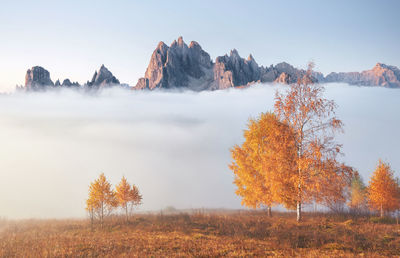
173	145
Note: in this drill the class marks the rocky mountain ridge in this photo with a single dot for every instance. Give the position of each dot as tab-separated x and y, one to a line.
182	66
379	75
37	78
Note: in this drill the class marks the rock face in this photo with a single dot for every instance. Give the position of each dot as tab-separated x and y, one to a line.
232	70
287	73
380	75
37	78
68	83
177	66
102	77
190	67
283	78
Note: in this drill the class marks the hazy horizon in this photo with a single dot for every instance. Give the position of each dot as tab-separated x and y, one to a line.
173	145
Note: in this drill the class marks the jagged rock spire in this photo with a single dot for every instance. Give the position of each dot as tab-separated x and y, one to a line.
37	78
103	77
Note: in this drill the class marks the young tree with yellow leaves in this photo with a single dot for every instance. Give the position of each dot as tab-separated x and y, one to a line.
383	190
128	196
263	162
358	195
101	199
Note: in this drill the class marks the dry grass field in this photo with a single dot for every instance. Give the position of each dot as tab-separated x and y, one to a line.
204	234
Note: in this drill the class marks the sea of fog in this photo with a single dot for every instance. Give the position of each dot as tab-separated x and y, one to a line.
173	145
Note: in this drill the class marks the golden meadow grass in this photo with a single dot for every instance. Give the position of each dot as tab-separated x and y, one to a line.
238	233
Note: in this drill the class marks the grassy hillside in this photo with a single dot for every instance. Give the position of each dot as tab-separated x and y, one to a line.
204	234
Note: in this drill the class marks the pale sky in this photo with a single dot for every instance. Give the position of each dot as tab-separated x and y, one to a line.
73	38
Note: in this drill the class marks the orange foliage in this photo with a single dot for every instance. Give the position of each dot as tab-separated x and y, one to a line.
264	161
383	189
101	199
290	158
127	196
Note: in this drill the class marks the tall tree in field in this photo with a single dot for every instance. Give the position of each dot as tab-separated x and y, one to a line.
101	199
262	164
128	196
358	195
383	190
312	117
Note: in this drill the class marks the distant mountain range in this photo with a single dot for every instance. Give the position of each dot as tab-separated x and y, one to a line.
37	78
190	67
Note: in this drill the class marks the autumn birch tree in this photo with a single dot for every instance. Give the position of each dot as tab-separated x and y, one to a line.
101	199
383	190
312	117
128	196
290	157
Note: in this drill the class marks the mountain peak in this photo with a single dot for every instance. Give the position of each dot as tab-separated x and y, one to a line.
234	52
37	77
250	58
161	45
194	44
180	41
103	77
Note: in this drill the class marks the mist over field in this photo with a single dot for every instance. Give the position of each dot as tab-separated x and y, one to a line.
173	145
